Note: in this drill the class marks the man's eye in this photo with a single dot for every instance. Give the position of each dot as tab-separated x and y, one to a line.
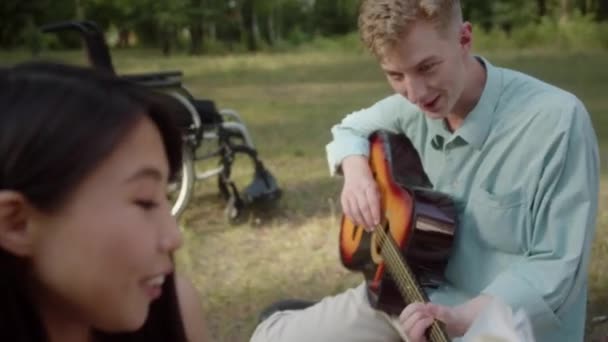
146	204
395	77
427	67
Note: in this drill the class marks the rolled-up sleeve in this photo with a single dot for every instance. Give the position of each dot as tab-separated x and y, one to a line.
562	216
350	137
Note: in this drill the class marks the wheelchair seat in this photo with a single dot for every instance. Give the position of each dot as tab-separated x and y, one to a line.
208	112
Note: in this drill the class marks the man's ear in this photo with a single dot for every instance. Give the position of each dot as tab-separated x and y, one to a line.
466	36
15	233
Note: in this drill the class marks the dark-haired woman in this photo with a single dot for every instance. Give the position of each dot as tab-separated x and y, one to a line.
86	234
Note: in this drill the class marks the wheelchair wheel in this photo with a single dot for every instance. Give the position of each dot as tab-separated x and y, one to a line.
180	191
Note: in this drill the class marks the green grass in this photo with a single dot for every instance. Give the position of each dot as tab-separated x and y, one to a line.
290	101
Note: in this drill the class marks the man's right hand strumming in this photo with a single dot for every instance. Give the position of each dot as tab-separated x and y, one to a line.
360	196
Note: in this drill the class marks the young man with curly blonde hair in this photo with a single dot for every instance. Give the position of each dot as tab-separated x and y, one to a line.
519	157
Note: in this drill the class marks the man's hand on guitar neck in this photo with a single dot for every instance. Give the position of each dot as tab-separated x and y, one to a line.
360	196
416	318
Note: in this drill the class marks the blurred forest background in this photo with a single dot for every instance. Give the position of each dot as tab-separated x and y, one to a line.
235	26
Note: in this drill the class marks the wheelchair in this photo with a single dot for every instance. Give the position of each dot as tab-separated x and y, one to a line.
201	123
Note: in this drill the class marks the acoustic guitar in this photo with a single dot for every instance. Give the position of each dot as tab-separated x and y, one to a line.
413	241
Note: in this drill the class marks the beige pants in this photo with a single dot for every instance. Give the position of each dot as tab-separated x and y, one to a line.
347	316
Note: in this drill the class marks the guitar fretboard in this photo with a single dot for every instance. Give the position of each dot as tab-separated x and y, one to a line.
405	279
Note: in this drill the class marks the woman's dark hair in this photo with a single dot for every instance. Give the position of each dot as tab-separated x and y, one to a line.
57	124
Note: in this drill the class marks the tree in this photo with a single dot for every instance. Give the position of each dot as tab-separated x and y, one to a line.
509	14
335	17
542	8
602	11
121	13
196	19
159	23
565	9
16	14
250	24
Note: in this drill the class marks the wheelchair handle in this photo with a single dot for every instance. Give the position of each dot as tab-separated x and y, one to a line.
83	27
95	43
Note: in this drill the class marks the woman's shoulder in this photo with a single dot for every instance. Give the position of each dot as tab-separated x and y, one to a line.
191	310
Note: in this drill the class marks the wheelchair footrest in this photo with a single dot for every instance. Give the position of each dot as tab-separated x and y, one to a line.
263	188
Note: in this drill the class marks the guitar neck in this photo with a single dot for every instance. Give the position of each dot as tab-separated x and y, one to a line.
406	281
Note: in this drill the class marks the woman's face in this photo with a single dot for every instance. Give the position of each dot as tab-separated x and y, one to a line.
102	258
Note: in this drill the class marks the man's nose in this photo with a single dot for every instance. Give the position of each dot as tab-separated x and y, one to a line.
415	90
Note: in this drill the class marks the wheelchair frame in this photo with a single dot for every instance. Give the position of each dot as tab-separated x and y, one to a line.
225	129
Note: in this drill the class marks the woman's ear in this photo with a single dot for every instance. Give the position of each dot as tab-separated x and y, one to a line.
15	234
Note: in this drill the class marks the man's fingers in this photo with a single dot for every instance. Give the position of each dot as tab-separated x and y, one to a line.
439	312
411	321
346	206
373	202
361	202
417	331
409	310
363	208
355	214
414	320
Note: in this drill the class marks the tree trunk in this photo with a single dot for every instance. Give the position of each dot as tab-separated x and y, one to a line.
270	32
278	29
166	37
79	10
250	24
196	38
212	33
602	12
565	9
123	37
197	26
583	6
542	8
255	29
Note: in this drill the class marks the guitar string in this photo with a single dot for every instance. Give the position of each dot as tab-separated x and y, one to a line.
402	279
392	258
435	335
389	254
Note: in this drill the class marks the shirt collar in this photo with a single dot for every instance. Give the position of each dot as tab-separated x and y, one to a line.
476	126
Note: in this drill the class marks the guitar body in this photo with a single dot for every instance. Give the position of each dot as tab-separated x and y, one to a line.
421	221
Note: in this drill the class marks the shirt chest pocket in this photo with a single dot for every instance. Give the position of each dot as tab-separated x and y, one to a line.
498	219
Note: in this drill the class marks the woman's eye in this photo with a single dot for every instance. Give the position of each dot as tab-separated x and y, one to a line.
146	204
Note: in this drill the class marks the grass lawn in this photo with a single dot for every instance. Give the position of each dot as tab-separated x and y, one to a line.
290	101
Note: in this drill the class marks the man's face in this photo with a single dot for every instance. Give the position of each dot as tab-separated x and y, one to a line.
428	67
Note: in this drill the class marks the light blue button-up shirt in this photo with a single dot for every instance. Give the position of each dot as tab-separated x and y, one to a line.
523	170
